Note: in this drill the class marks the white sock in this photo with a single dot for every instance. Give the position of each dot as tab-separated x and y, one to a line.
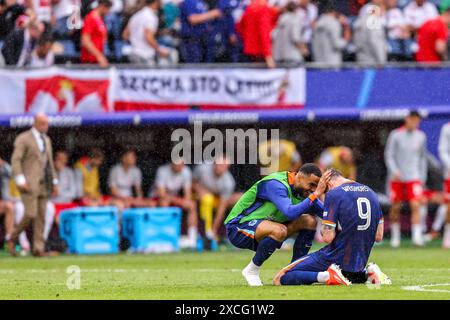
395	231
323	277
19	211
423	217
439	218
49	218
416	230
252	268
192	234
23	241
446	237
210	235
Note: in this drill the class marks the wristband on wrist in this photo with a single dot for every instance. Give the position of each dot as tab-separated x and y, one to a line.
312	197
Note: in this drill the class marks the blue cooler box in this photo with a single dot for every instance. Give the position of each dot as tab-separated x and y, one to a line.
152	229
90	230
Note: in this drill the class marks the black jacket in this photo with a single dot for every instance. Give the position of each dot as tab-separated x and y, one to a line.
13	46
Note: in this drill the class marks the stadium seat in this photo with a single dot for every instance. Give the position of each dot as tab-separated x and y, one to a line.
69	49
120	49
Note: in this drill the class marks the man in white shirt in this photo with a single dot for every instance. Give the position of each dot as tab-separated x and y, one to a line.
125	181
173	187
417	12
43	56
308	14
397	30
444	154
141	32
42	8
67	16
214	186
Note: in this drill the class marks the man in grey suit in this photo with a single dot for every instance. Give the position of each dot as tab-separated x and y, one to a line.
36	178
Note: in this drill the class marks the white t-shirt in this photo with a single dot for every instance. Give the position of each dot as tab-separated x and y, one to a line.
173	182
38	62
307	17
123	180
395	21
219	185
139	22
65	8
43	10
117	6
416	16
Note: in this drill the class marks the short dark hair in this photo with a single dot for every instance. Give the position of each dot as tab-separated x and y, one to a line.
327	6
45	38
128	150
95	153
106	3
291	6
414	113
310	168
149	2
335	173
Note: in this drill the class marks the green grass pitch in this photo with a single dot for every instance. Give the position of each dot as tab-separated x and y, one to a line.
213	275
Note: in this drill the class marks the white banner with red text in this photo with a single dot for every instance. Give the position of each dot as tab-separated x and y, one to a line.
59	90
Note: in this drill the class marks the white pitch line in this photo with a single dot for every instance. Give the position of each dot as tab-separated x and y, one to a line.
422	288
11	271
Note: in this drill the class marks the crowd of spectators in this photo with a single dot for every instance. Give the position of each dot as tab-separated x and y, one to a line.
165	32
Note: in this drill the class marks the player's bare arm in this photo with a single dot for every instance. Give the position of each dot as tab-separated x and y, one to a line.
380	232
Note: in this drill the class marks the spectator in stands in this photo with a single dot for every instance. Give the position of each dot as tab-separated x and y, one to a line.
42	55
288	42
125	182
141	32
432	39
6	206
308	14
286	157
417	12
66	12
223	39
94	35
340	158
10	10
444	154
173	187
397	31
330	36
168	32
214	186
114	19
43	11
405	157
88	176
370	34
19	44
255	28
195	28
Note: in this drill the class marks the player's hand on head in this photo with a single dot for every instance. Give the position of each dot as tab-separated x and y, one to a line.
323	183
